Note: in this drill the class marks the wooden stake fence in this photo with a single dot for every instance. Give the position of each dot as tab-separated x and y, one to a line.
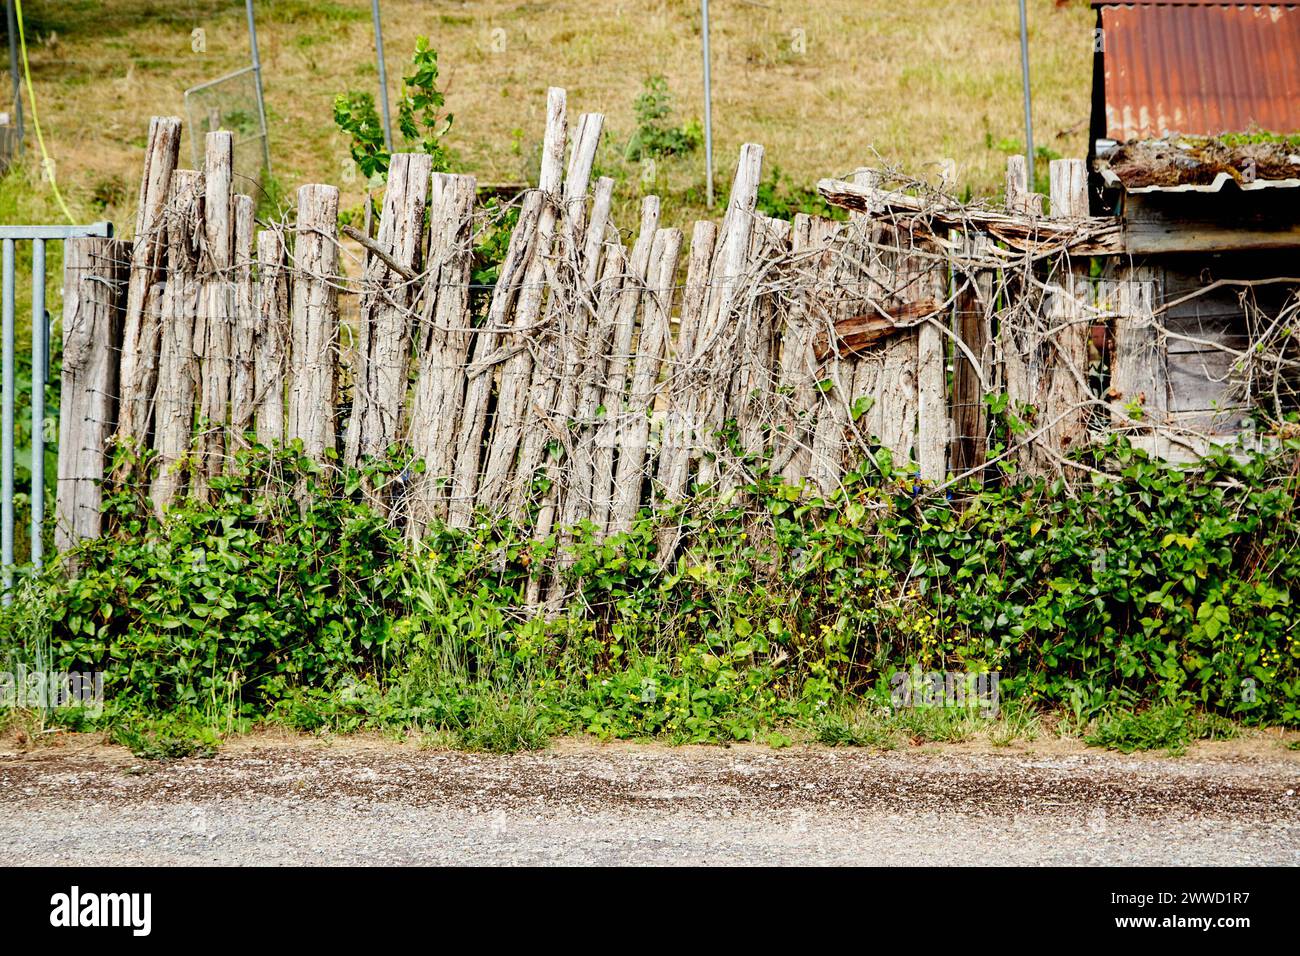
800	346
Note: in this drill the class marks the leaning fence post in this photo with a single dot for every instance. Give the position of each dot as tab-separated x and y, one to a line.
95	274
383	350
141	329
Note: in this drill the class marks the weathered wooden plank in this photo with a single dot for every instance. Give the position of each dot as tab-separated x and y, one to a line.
1138	394
95	275
840	287
1145	238
810	242
178	374
933	431
1205	380
897	399
972	366
517	371
754	381
574	329
1021	232
576	351
620	357
442	348
1222	424
1021	200
213	336
580	481
565	319
858	333
243	382
674	455
487	353
1069	188
273	335
314	328
140	332
1067	393
713	360
634	431
1191	333
383	353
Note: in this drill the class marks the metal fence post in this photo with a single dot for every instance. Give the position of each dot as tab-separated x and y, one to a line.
38	236
708	105
383	76
16	82
1029	115
38	402
257	74
7	430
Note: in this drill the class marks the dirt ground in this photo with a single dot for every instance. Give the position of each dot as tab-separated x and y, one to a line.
273	799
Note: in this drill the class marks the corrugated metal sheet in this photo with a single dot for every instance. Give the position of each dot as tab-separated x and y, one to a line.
1200	69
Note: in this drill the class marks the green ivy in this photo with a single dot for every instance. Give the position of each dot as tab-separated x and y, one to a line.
288	596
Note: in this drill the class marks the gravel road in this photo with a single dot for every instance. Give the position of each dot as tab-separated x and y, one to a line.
370	802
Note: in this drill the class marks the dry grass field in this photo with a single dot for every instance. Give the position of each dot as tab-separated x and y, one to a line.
825	86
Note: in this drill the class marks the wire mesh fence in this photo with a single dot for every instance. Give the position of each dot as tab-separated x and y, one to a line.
230	103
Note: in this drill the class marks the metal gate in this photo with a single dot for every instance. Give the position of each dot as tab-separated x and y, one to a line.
37	236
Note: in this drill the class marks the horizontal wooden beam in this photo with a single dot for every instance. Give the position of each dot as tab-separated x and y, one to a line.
1149	237
857	333
1093	236
1034	234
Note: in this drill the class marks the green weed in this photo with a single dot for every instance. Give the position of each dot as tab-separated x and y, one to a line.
1169	726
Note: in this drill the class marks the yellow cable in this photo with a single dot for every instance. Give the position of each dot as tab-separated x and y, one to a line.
36	123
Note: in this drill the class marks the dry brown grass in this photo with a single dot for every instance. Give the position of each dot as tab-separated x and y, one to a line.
911	82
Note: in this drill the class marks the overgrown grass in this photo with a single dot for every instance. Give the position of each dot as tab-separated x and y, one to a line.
858	724
825	87
1165	726
169	737
26	198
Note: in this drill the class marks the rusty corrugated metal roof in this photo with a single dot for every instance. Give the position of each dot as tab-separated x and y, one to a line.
1200	68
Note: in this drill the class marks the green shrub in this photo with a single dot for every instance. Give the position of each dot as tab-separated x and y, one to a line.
1159	585
655	135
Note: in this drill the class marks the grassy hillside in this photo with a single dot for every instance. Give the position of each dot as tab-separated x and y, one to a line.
826	87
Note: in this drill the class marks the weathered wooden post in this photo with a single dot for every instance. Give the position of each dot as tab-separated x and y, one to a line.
177	365
518	289
271	345
243	386
95	278
442	348
708	405
214	331
517	370
1067	387
141	330
313	380
384	330
675	449
635	431
620	356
